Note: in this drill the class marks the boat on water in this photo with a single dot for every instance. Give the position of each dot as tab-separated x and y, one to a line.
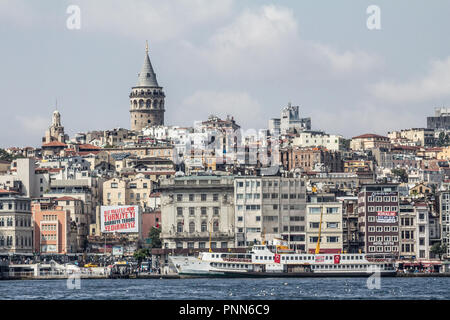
277	261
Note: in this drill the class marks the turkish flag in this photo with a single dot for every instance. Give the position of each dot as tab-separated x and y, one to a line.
277	258
337	259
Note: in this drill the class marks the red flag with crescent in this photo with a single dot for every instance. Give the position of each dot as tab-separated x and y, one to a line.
277	258
337	259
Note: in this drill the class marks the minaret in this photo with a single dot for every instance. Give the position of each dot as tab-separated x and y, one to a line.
146	98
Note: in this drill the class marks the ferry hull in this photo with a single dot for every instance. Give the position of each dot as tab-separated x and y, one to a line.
250	274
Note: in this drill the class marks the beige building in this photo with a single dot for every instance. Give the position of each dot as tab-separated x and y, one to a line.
122	191
419	136
369	141
77	217
194	208
331	229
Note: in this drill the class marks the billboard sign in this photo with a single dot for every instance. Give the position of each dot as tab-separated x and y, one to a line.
387	216
121	219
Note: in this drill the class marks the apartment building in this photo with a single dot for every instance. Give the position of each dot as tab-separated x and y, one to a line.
270	207
422	230
53	232
195	209
16	231
324	216
408	231
378	207
123	191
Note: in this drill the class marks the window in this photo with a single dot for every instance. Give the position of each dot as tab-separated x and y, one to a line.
215	197
179	211
191	211
179	197
191	226
203	197
180	227
203	210
204	227
191	197
216	211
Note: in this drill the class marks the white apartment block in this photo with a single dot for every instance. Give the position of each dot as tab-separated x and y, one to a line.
319	139
268	208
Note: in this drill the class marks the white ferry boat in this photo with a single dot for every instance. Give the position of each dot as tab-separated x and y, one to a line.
269	261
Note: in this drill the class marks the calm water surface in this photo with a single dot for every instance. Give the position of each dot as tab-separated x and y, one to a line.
153	289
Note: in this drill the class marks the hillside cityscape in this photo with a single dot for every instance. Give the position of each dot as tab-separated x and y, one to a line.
214	187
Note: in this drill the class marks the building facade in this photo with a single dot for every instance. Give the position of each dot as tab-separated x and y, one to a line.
378	206
196	209
270	207
16	231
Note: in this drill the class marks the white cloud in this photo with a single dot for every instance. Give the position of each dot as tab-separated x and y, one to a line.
246	110
435	84
266	41
155	20
347	61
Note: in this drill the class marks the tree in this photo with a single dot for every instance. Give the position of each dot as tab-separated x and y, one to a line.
401	174
438	249
154	237
140	255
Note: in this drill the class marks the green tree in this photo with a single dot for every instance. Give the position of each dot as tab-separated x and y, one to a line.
140	255
401	173
154	235
438	249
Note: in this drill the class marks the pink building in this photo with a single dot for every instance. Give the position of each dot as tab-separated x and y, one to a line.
51	229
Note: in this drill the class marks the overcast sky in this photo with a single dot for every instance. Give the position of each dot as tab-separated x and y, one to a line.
244	58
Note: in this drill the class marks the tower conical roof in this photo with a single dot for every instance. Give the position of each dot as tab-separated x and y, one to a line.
147	77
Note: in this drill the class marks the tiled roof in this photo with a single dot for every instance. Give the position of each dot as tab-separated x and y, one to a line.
54	144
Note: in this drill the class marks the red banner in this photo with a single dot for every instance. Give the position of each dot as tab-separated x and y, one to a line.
277	258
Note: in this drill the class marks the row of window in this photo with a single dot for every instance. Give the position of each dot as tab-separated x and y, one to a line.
15	206
20	222
270	183
20	241
45	237
380	229
380	238
203	197
330	239
203	211
319	210
329	225
382	198
201	245
203	226
382	208
380	249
